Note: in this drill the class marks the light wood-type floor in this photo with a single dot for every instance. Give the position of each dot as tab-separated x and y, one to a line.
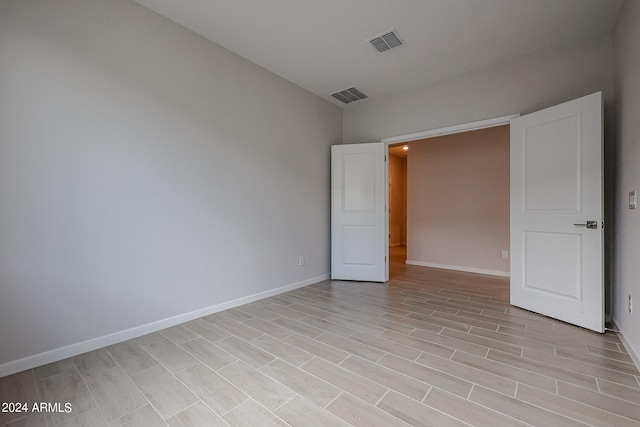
431	347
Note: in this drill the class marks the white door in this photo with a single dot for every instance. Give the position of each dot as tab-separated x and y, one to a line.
557	212
359	246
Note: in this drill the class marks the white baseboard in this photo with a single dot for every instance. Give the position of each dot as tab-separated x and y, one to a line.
459	268
57	354
635	355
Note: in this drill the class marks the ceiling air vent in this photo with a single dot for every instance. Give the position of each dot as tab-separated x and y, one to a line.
386	41
349	95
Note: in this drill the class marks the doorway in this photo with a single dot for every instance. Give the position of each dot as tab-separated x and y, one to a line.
451	193
397	169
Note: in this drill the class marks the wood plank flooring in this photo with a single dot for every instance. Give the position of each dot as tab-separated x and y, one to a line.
429	348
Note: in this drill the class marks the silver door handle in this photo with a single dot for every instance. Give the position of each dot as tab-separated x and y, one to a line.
588	224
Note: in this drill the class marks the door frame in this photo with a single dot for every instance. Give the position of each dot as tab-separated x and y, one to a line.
432	133
449	130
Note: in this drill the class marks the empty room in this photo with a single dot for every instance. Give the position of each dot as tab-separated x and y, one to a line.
195	225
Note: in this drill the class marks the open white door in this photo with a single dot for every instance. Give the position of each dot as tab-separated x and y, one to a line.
557	212
359	246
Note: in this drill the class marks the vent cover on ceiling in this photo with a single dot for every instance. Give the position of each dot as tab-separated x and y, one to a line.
386	41
349	95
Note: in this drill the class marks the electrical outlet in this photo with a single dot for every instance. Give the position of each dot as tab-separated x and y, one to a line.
504	254
301	260
630	304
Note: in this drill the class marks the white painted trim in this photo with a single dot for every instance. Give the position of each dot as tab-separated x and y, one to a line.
459	268
465	127
635	356
387	257
57	354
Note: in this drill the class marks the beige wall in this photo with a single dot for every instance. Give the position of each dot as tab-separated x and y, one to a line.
627	225
397	201
458	201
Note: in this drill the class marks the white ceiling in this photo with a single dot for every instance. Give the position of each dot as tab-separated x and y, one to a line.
322	45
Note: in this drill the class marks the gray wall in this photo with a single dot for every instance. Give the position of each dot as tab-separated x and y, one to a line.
145	173
521	85
627	237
